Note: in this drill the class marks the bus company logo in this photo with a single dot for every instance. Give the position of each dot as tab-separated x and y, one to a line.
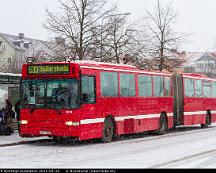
48	69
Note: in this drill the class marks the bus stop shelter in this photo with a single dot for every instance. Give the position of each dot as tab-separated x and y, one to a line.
10	78
9	87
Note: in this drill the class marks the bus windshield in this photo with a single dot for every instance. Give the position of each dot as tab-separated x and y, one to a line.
55	93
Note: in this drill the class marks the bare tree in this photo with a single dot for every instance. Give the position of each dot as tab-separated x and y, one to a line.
163	40
77	23
117	38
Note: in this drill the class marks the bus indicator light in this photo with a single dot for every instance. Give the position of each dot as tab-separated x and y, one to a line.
23	122
70	123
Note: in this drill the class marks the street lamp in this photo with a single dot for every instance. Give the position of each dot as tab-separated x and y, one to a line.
118	14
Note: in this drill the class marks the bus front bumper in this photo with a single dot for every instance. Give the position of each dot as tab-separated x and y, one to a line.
36	132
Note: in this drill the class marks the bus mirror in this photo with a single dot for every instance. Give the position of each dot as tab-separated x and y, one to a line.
85	97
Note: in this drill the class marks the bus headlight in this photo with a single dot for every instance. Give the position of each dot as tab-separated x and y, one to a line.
23	122
71	123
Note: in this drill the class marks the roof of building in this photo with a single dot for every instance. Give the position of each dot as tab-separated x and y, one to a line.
28	47
193	57
40	46
15	41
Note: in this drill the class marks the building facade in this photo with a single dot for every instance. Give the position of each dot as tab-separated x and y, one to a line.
14	51
200	62
10	46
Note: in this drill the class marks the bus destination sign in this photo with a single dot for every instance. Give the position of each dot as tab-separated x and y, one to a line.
48	69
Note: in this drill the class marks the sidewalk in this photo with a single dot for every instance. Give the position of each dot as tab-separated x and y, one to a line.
15	139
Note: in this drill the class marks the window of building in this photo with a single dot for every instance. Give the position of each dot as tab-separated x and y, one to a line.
206	89
198	88
127	85
109	84
189	87
158	86
145	85
88	89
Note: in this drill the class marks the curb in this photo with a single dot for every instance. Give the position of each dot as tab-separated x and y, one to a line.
23	142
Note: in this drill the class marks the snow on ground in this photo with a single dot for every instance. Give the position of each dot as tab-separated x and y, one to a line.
15	138
183	148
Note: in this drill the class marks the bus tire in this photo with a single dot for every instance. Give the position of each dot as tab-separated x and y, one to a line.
162	125
108	130
207	120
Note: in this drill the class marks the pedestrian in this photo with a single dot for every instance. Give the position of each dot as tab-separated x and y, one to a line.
8	114
1	121
17	110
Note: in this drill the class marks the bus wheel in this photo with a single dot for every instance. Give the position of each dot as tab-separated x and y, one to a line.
162	125
108	130
207	121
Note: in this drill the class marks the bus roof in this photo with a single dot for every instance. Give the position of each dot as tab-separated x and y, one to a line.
85	64
103	64
197	76
117	67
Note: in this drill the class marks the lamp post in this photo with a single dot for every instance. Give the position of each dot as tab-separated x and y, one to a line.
119	14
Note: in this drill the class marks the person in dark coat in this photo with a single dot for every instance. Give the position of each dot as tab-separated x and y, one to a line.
1	121
17	110
8	114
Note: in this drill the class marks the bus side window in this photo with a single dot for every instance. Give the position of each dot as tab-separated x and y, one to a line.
214	89
145	85
158	86
167	86
109	84
189	87
88	89
206	89
127	85
198	88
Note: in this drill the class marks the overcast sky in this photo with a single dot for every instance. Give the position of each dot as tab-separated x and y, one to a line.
194	16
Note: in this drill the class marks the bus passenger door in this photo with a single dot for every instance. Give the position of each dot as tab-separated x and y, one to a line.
88	90
178	99
88	110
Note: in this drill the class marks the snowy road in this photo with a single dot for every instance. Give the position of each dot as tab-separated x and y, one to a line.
182	148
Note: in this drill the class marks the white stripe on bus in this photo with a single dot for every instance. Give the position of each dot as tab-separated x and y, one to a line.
196	113
91	121
122	118
199	113
139	117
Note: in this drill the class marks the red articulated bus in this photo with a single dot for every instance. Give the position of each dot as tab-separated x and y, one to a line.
87	100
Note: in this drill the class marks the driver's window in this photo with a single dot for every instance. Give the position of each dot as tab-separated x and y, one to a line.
63	93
